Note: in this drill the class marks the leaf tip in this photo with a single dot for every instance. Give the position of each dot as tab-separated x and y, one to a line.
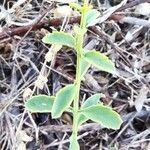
45	39
119	122
54	114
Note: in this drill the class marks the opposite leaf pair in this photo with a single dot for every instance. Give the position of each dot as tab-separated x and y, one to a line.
93	57
91	108
54	104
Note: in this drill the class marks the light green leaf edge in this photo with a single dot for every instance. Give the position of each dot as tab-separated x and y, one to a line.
40	104
78	31
103	115
74	145
81	119
64	98
91	101
91	16
59	38
84	67
100	61
76	6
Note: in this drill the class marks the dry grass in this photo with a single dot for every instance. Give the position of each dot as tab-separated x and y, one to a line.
22	60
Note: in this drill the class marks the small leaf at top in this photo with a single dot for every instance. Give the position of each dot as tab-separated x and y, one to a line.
100	61
75	6
91	16
74	145
40	104
59	38
92	100
103	115
64	98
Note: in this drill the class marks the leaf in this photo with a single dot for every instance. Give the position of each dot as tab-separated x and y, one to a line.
84	67
75	6
100	61
74	145
79	31
91	16
81	119
40	103
103	115
59	38
92	100
64	98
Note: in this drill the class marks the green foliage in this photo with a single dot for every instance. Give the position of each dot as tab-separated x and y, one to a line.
100	61
74	145
81	119
78	31
40	104
75	6
84	67
91	16
64	98
59	38
91	101
91	109
103	115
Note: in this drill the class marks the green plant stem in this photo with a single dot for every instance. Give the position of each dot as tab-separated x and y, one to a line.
78	83
79	45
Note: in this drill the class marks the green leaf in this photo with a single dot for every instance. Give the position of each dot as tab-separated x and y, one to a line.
75	6
100	61
40	103
92	100
84	67
74	145
64	98
103	115
81	119
59	38
79	31
91	16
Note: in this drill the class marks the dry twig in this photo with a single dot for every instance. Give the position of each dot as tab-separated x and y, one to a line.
10	32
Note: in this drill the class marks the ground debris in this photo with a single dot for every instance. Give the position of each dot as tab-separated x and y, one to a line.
22	56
